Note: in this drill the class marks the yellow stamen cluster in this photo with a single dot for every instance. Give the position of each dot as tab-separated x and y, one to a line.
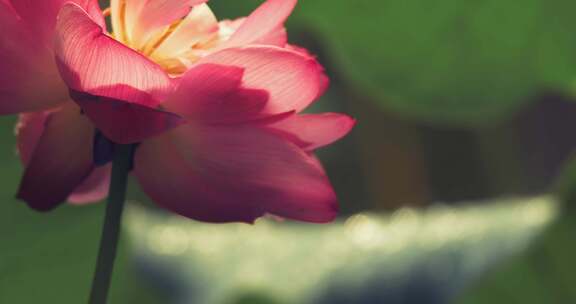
159	46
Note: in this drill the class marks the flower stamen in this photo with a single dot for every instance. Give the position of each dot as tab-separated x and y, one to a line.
153	45
107	12
119	26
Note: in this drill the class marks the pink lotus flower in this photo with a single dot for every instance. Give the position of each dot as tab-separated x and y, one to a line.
214	105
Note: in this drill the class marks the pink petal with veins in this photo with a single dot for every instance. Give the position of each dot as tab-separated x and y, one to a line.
214	94
40	16
312	131
292	80
29	79
233	173
94	63
124	122
262	23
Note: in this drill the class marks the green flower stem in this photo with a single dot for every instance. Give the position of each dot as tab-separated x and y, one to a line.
112	223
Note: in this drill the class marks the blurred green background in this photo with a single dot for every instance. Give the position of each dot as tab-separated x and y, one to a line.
456	185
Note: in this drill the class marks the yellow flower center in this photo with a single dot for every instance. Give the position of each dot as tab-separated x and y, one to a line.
175	46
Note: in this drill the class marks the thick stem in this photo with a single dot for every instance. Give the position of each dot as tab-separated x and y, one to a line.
112	222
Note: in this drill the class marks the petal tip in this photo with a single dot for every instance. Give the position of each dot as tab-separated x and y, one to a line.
348	122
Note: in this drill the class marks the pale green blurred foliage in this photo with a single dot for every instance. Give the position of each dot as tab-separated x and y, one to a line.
362	254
